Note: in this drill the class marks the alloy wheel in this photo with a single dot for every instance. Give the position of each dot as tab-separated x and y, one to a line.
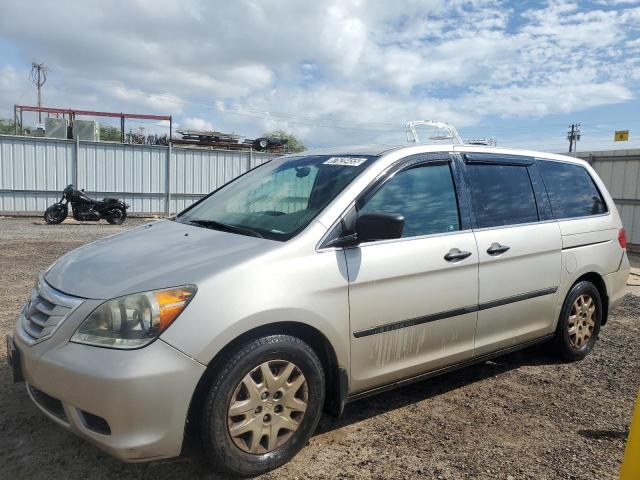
582	321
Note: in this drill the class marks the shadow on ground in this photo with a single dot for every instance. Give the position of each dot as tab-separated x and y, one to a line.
388	401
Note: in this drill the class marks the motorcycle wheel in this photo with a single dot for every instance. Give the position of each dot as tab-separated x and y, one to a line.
116	216
55	214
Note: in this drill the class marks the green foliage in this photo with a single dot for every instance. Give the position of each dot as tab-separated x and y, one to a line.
293	146
7	127
110	134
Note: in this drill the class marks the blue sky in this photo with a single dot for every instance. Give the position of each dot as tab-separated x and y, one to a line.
339	71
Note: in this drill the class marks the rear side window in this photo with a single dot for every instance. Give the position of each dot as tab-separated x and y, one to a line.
571	190
501	195
424	195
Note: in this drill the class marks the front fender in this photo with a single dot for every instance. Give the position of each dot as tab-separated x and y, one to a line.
221	336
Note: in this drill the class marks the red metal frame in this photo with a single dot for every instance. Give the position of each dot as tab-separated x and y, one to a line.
73	112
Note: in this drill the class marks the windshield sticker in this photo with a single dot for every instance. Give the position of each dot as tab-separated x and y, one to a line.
346	161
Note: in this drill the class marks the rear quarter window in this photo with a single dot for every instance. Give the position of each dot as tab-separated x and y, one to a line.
572	192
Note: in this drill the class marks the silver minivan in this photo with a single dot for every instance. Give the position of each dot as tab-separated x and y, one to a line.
311	281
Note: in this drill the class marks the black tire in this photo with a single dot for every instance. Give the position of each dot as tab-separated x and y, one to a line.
261	144
566	344
116	215
55	214
224	455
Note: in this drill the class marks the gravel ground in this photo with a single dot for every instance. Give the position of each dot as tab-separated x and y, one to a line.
521	416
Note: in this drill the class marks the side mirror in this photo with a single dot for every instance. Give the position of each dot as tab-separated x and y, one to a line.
379	226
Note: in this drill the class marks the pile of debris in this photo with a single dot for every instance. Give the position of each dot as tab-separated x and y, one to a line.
230	141
139	138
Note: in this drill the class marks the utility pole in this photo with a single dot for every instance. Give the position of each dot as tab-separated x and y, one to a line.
573	135
39	77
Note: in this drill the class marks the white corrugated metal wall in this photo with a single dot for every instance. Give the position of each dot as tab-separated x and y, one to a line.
34	171
620	172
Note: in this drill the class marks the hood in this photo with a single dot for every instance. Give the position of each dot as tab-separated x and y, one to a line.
158	255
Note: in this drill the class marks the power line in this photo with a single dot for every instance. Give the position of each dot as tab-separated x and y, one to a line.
298	119
331	123
253	112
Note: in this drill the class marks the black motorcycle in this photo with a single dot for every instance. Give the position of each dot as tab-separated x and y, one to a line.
84	208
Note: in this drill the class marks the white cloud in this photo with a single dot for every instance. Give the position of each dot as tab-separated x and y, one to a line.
314	65
194	123
9	90
545	100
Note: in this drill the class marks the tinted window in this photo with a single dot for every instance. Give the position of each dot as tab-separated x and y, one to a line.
571	190
424	195
502	195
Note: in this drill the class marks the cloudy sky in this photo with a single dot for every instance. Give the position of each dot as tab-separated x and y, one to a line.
338	71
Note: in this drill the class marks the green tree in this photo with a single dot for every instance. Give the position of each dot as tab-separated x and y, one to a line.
110	134
293	145
7	127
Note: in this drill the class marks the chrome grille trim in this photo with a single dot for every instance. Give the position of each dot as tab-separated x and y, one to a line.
45	310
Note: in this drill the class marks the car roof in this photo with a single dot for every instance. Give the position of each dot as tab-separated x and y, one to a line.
382	149
517	151
371	149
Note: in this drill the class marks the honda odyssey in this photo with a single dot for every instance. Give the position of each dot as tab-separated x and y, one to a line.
313	280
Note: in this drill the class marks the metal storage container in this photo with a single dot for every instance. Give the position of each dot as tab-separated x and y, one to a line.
87	130
55	127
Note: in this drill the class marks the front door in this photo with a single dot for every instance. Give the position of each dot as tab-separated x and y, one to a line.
413	300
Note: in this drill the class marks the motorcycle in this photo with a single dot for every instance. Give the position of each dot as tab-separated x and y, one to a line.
85	208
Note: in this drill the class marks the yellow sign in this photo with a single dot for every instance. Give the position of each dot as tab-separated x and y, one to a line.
621	136
631	463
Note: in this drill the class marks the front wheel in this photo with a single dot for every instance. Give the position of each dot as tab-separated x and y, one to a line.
263	405
116	215
55	214
579	322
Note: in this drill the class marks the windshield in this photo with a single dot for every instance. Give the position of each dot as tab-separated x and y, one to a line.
277	199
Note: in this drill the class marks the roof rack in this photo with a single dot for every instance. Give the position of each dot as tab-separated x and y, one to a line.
452	133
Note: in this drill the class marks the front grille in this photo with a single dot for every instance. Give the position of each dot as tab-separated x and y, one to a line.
50	404
45	310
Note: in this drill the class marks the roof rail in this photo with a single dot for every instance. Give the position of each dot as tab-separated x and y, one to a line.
452	133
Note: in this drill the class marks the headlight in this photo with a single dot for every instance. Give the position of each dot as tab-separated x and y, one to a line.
133	321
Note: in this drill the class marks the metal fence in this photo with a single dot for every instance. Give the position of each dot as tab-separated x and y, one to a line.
152	179
162	180
620	172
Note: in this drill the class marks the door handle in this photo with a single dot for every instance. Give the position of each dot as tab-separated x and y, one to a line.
497	249
455	255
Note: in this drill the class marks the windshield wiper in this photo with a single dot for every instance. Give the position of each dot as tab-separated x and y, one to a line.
226	227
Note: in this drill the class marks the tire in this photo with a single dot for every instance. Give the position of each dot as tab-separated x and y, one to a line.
55	214
578	327
250	453
261	144
116	215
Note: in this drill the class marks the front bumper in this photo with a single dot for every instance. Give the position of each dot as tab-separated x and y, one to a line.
131	404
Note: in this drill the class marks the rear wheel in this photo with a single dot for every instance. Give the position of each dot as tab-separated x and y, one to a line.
263	405
116	215
55	214
579	322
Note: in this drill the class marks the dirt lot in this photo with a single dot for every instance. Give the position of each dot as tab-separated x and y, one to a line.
524	415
